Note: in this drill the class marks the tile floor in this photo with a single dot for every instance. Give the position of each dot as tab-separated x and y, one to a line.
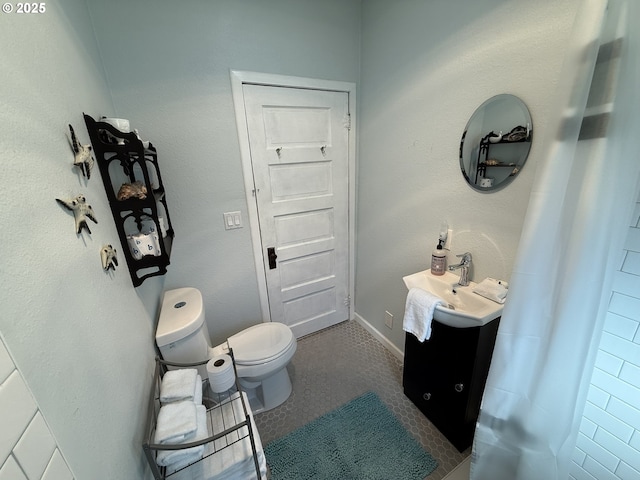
342	362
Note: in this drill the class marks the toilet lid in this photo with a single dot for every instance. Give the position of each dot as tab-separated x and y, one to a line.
261	342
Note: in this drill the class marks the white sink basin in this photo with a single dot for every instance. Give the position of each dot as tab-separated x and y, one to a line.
464	308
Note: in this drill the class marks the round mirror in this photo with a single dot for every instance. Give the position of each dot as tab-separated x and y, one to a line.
496	142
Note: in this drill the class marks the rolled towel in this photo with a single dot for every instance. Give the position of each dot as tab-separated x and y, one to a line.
492	289
176	422
235	457
178	385
418	313
177	459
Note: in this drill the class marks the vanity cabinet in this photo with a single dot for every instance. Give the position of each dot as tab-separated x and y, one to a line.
141	217
445	377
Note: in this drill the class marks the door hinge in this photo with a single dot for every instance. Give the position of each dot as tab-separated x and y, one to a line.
347	301
347	121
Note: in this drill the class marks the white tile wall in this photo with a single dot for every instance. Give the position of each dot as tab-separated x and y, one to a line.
608	446
28	450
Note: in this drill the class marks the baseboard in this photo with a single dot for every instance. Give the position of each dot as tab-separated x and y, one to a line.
461	472
380	337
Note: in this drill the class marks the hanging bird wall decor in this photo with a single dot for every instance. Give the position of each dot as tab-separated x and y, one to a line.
82	154
81	211
109	258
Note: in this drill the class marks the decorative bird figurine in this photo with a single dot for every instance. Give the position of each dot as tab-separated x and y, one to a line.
82	154
81	211
109	257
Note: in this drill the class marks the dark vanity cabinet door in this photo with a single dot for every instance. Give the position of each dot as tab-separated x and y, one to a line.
445	377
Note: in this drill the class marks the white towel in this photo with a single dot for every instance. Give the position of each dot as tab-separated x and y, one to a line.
177	459
176	422
197	395
235	461
178	385
418	312
492	289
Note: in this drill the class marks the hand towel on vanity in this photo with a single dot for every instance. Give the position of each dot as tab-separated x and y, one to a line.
418	313
177	459
178	385
176	422
492	289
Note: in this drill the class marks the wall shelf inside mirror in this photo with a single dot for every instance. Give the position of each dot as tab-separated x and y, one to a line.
509	157
141	214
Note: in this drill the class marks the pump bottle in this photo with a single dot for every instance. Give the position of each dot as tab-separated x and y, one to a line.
438	260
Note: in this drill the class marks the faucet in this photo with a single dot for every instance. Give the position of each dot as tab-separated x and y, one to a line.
464	268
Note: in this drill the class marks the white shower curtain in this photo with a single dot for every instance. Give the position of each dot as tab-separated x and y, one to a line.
572	240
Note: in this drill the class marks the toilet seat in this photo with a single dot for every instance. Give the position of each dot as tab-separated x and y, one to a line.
261	343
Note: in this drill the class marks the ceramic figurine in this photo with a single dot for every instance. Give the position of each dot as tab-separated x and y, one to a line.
132	190
495	138
81	211
109	257
82	153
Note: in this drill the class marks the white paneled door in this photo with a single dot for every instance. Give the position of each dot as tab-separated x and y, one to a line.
298	140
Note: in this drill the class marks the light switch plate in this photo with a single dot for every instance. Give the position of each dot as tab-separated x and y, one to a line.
232	220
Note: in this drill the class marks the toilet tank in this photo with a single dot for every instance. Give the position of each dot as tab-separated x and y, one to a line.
182	334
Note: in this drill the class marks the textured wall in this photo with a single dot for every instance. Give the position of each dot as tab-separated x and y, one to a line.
81	339
168	68
426	67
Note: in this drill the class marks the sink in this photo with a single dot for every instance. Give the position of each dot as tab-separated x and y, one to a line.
463	308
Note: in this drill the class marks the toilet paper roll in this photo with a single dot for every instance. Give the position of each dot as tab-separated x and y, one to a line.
221	373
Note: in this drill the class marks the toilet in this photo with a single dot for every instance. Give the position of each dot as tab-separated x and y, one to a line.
261	352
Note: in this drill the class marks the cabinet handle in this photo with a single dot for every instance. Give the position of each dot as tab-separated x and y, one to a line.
427	396
459	387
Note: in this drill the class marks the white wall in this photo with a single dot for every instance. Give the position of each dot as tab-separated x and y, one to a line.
82	339
168	66
609	441
426	67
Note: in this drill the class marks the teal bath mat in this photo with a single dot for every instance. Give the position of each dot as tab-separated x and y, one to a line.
362	440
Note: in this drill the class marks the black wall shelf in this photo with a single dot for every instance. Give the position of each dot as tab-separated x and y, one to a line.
123	158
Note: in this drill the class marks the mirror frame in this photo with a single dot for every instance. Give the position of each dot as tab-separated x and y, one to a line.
492	124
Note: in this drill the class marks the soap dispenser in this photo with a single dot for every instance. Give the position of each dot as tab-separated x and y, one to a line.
438	260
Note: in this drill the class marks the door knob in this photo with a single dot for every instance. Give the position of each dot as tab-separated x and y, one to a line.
271	254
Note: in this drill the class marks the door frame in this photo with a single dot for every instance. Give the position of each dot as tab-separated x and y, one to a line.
240	78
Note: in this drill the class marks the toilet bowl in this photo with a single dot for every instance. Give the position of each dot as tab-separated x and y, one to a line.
261	352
